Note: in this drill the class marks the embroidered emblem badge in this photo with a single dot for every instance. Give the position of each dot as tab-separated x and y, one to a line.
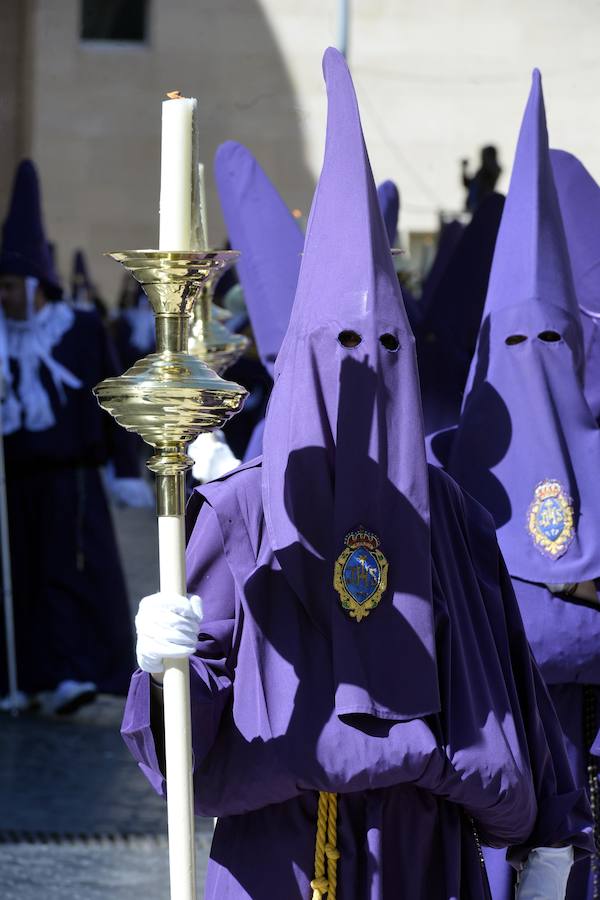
360	573
550	519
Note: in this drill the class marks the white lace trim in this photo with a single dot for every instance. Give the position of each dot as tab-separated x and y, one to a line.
30	343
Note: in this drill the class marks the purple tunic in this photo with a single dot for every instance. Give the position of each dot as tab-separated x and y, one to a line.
266	736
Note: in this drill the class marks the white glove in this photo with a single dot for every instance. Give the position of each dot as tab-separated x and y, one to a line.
167	626
212	456
133	492
585	590
545	874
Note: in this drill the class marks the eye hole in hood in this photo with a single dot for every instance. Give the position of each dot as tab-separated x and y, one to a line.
390	342
550	337
349	339
513	339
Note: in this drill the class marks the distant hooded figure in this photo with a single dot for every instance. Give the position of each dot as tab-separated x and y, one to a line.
389	204
73	629
270	242
451	316
579	198
527	447
449	236
82	291
364	703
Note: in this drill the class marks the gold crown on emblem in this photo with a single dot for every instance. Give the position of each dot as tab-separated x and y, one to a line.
362	538
548	489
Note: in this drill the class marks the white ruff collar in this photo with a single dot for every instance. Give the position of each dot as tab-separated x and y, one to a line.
30	343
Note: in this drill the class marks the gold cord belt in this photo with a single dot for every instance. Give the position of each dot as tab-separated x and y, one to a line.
326	849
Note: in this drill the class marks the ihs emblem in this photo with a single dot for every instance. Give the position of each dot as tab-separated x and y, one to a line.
360	573
550	519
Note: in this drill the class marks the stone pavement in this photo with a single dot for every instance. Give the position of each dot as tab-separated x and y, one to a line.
78	821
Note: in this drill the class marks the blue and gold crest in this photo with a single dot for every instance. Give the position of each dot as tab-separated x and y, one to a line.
550	519
360	574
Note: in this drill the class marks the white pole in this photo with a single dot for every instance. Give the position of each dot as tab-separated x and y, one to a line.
343	17
178	736
7	588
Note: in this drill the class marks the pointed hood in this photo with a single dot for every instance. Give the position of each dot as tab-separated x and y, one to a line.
389	204
345	485
527	446
262	228
452	311
530	262
80	278
25	250
579	198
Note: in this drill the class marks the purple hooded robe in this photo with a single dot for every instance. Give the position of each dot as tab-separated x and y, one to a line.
427	716
528	448
579	198
262	228
70	603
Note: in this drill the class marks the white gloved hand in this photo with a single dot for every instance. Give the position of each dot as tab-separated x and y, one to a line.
167	626
545	874
212	456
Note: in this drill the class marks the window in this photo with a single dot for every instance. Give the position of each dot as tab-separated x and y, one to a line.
114	20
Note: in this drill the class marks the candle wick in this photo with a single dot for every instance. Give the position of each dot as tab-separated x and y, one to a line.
174	95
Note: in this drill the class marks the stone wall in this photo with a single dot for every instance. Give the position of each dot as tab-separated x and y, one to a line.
435	82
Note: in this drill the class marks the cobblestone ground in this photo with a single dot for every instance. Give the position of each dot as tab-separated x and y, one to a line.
78	821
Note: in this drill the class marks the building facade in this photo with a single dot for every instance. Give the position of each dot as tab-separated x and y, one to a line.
436	81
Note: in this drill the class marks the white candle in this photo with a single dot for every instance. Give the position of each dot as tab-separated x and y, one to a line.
203	236
180	223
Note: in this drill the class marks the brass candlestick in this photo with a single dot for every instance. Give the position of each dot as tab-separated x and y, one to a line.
171	396
210	341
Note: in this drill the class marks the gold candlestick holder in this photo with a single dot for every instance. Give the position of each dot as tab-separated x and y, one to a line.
210	341
171	396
